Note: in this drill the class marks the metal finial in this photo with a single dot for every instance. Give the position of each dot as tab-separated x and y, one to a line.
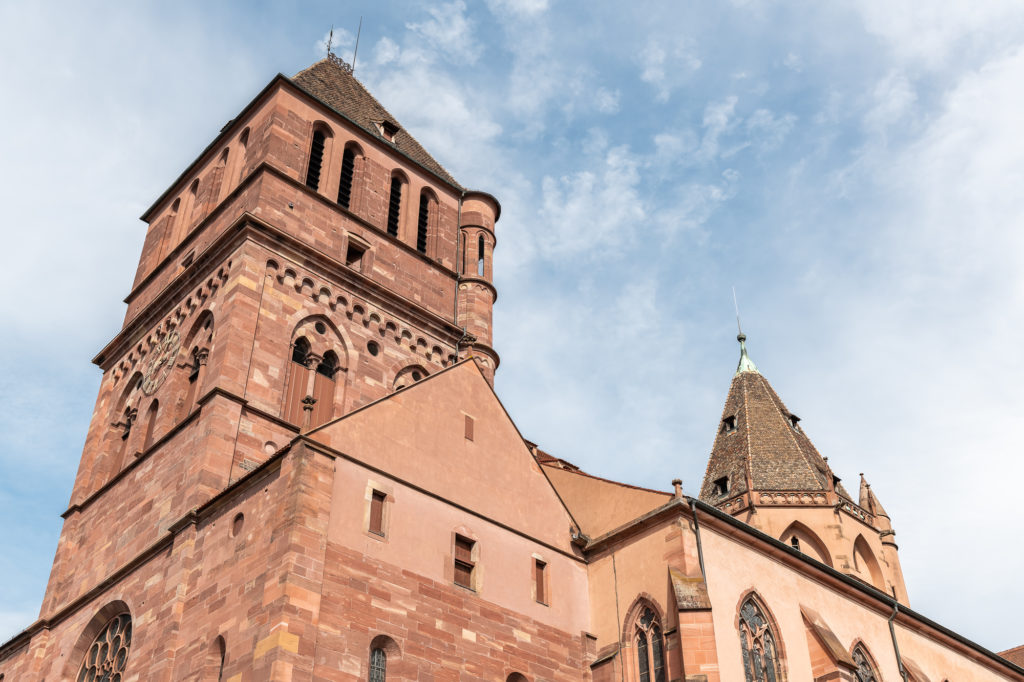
746	364
330	40
736	305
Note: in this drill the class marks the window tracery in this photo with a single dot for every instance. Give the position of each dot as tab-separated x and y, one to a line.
108	655
378	665
865	671
650	649
760	654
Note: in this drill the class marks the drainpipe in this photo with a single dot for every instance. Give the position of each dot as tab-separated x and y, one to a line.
892	633
700	550
458	273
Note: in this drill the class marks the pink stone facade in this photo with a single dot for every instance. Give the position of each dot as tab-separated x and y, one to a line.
298	468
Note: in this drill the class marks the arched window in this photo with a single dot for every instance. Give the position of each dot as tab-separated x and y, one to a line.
298	381
323	389
760	655
650	647
422	223
193	381
348	167
316	159
150	424
394	205
865	671
107	657
480	256
378	665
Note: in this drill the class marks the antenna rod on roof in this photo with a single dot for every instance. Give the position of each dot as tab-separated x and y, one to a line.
330	39
739	328
356	51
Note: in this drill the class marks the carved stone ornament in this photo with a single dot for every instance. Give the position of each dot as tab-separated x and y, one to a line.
164	354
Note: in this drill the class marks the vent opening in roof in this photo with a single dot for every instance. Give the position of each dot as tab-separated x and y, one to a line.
729	424
720	486
794	421
388	129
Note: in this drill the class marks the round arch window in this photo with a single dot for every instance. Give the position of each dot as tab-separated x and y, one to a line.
108	655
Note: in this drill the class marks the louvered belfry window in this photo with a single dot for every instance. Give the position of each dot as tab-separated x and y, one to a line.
421	225
760	658
378	665
316	159
348	163
464	561
394	206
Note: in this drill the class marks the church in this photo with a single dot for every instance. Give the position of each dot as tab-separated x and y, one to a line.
298	468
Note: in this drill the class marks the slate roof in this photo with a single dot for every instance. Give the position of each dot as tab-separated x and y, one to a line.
764	448
333	84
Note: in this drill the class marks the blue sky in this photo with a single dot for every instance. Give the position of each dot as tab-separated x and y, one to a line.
854	169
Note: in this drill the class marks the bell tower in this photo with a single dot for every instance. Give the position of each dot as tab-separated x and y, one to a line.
313	259
765	470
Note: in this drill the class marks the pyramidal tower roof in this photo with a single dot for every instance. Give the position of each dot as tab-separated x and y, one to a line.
760	444
869	501
330	80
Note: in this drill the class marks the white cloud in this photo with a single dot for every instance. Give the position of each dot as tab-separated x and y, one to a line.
518	7
386	51
587	211
666	68
450	32
769	130
341	42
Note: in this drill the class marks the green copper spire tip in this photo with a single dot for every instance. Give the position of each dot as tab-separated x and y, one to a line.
746	364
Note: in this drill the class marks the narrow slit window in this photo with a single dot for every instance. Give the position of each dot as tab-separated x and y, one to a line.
394	205
421	224
377	512
316	159
464	563
480	256
469	427
539	570
378	665
348	164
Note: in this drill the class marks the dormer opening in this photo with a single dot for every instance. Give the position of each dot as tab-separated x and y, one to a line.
794	422
728	424
720	486
388	130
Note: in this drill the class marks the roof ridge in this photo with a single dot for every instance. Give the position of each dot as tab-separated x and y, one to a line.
606	480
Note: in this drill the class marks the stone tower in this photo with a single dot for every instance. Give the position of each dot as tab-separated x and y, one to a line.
765	470
313	259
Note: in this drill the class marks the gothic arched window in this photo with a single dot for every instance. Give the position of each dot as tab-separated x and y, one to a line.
108	655
323	389
865	671
298	378
650	647
760	654
378	665
480	256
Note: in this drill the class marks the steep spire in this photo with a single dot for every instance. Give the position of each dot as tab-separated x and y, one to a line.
746	364
869	501
760	445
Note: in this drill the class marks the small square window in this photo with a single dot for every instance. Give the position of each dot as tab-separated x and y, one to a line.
794	421
729	424
354	256
469	427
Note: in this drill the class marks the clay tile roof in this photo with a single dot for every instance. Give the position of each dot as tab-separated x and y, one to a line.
759	440
1014	655
333	84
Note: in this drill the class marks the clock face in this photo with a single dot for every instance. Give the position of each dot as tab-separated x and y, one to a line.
164	355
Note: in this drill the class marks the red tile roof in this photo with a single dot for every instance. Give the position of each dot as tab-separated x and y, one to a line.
335	86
